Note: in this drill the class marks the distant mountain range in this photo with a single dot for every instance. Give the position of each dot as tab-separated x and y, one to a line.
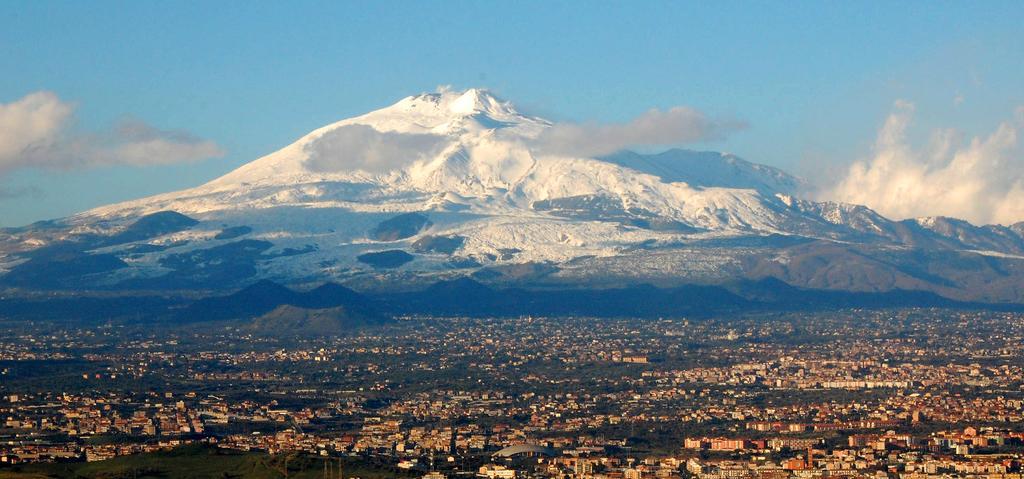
443	186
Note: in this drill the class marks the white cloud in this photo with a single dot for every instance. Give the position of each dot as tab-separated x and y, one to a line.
675	126
361	147
981	180
35	132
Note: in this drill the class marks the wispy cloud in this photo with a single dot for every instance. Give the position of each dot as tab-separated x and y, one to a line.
35	132
981	180
675	126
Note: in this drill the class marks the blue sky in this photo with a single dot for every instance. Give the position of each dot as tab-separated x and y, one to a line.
815	81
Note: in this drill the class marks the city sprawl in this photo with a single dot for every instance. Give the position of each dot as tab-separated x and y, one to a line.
906	393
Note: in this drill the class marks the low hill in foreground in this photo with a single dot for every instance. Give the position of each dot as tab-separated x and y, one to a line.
295	321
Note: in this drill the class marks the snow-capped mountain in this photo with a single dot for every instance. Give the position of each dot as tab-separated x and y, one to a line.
473	153
456	183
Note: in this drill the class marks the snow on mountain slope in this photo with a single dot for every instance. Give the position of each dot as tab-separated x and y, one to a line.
454	181
474	147
467	119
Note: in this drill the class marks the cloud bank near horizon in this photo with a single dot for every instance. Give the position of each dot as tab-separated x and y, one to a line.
980	180
36	132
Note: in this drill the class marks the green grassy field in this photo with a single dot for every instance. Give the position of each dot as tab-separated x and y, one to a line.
199	462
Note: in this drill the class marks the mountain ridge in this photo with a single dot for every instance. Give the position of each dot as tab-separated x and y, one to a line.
454	184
